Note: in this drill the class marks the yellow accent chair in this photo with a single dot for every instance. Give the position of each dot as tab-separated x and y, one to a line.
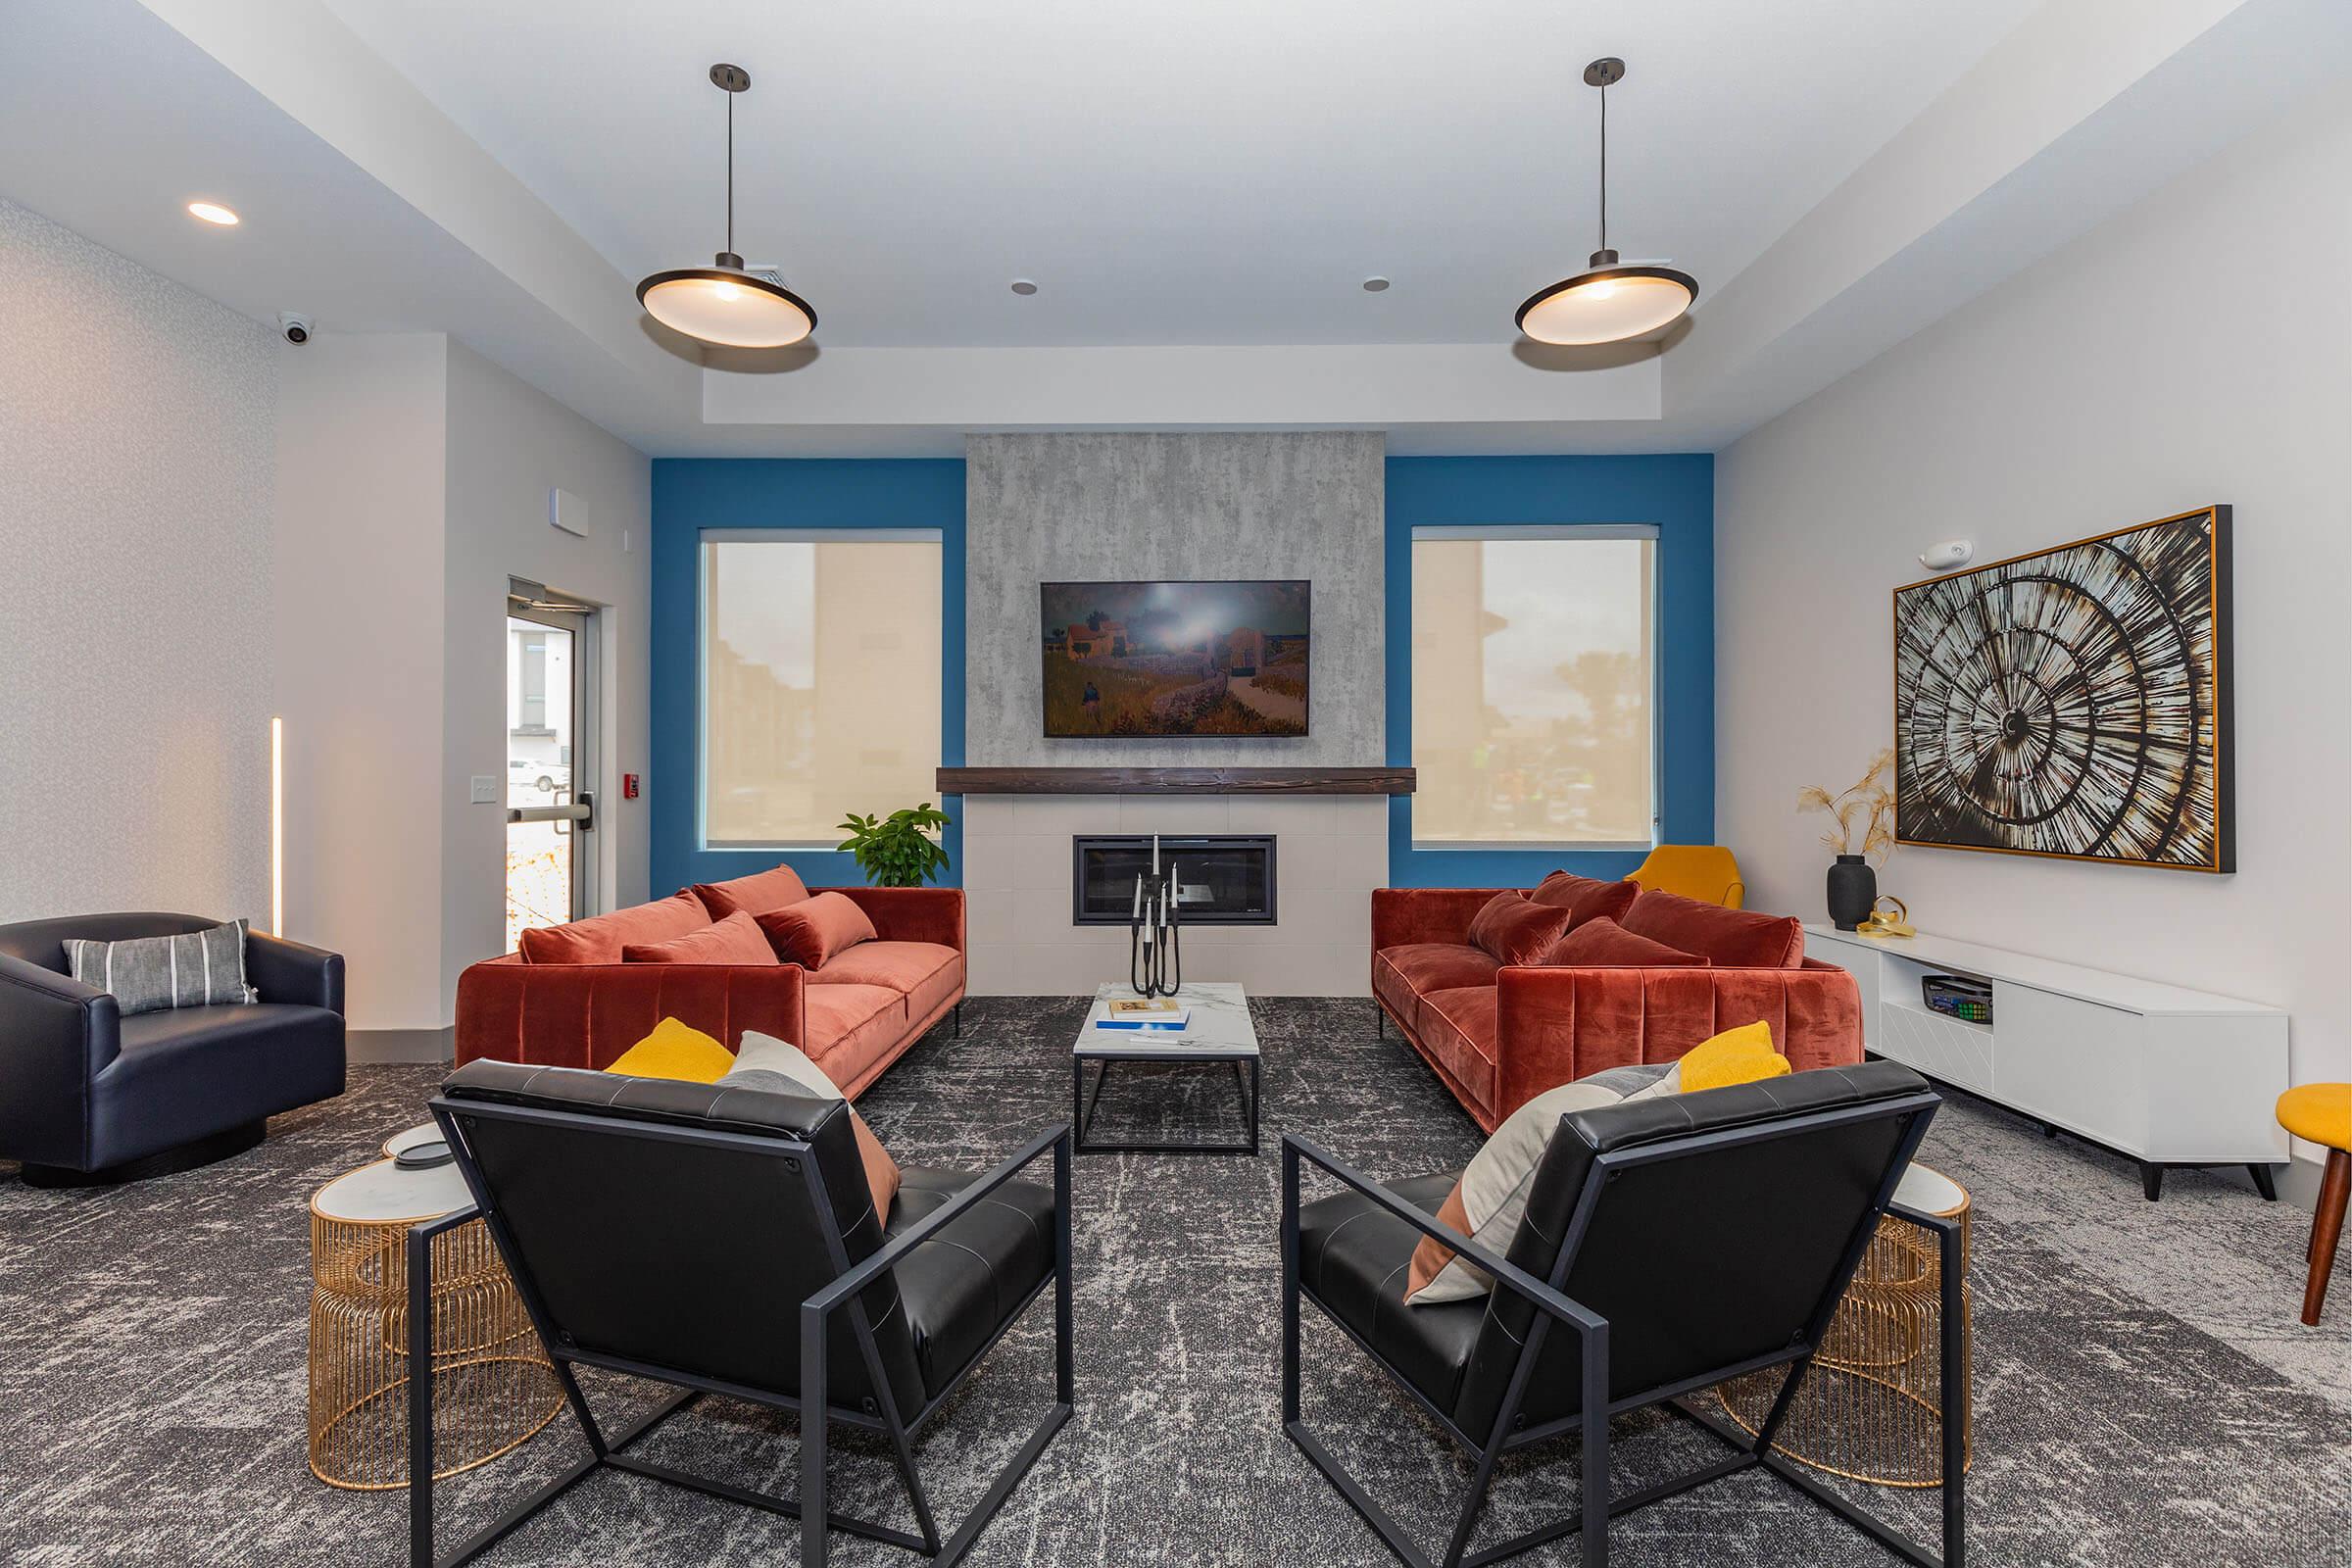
2322	1113
1702	872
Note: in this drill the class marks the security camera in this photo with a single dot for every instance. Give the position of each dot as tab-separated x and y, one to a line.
1948	555
294	325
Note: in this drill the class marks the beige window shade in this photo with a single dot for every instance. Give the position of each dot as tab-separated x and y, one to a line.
1534	717
820	682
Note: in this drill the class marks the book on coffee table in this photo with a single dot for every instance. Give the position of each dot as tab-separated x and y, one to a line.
1144	1012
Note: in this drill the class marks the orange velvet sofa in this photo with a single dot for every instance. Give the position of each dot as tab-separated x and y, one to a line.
1498	1035
853	1016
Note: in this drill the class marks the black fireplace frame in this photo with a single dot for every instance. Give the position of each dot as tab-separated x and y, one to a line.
1176	844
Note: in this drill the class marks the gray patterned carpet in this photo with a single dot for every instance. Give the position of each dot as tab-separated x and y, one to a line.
2144	1396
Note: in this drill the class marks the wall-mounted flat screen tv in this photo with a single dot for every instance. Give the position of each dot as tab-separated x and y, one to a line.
1158	659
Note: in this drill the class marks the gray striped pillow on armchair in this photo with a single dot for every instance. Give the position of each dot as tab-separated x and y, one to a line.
146	974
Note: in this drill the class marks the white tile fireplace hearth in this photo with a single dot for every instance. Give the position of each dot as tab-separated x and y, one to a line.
1331	851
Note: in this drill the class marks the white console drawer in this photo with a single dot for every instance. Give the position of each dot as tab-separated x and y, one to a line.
2076	1063
1940	1046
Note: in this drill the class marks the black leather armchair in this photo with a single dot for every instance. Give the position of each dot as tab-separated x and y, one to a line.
88	1096
725	1239
1668	1245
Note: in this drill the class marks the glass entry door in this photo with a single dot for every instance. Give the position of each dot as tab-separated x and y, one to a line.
550	722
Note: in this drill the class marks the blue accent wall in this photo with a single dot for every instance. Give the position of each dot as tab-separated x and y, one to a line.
692	494
1677	494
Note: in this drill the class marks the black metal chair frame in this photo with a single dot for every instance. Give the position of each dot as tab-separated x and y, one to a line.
815	1314
1592	1423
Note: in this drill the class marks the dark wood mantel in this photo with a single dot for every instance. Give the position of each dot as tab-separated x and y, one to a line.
1175	781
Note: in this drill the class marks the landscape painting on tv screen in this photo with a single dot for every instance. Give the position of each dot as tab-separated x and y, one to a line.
1138	659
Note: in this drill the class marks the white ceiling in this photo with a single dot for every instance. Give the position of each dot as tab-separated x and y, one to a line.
1198	189
1214	172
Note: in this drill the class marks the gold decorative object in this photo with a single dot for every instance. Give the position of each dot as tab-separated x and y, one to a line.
1870	1407
492	1386
1885	923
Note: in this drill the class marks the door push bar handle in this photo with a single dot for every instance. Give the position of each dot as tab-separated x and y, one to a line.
581	812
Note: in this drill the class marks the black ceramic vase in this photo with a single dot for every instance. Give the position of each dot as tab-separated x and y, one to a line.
1853	891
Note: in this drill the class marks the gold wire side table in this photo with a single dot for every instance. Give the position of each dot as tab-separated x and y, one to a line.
492	1387
1872	1407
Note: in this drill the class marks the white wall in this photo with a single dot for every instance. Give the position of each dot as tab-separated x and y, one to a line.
507	445
2195	349
136	457
412	484
357	641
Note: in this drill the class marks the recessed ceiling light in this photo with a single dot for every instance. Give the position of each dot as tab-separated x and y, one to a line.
213	213
1023	288
1375	285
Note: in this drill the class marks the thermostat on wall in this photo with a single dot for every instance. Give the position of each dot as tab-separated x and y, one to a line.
568	512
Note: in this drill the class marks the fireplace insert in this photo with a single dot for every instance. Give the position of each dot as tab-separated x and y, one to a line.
1223	879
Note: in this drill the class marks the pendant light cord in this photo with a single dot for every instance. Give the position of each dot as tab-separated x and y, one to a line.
1605	165
731	171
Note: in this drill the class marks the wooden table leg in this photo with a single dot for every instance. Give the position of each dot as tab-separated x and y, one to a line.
2327	1226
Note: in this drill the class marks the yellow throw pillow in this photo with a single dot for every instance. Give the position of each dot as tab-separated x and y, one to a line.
675	1050
1741	1056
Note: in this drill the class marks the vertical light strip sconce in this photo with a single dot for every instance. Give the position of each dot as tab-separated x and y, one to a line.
277	826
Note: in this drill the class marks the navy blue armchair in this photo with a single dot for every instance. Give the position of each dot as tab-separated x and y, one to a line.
88	1096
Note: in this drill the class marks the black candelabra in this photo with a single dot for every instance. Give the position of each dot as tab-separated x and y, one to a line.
1155	957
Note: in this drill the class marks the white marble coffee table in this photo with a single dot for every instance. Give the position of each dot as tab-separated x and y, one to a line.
1218	1033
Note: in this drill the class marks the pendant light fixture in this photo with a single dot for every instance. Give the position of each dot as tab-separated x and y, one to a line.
1608	303
722	302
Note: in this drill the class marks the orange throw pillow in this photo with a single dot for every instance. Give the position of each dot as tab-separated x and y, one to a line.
1513	928
600	938
753	894
814	931
1584	898
1604	943
737	939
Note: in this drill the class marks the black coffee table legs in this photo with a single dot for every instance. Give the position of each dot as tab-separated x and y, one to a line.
1082	1103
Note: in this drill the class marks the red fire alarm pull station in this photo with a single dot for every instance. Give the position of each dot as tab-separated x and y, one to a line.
628	786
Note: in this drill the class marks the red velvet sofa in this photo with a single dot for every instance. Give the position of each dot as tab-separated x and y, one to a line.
853	1016
1499	1035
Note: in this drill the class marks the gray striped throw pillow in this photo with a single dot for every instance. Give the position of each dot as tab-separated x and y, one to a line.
146	974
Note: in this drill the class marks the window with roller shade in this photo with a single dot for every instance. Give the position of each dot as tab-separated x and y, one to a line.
820	657
1534	707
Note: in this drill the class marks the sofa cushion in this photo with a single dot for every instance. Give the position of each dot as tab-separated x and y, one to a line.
1735	939
962	1284
1585	897
188	1072
852	1027
1604	943
600	938
927	973
1459	1027
1352	1257
757	894
1404	974
1515	929
737	939
815	930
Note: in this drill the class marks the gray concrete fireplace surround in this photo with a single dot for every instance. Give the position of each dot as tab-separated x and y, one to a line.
1085	507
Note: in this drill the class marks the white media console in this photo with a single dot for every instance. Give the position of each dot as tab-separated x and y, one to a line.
2166	1075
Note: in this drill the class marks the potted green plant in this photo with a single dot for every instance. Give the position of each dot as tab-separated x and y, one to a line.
898	850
